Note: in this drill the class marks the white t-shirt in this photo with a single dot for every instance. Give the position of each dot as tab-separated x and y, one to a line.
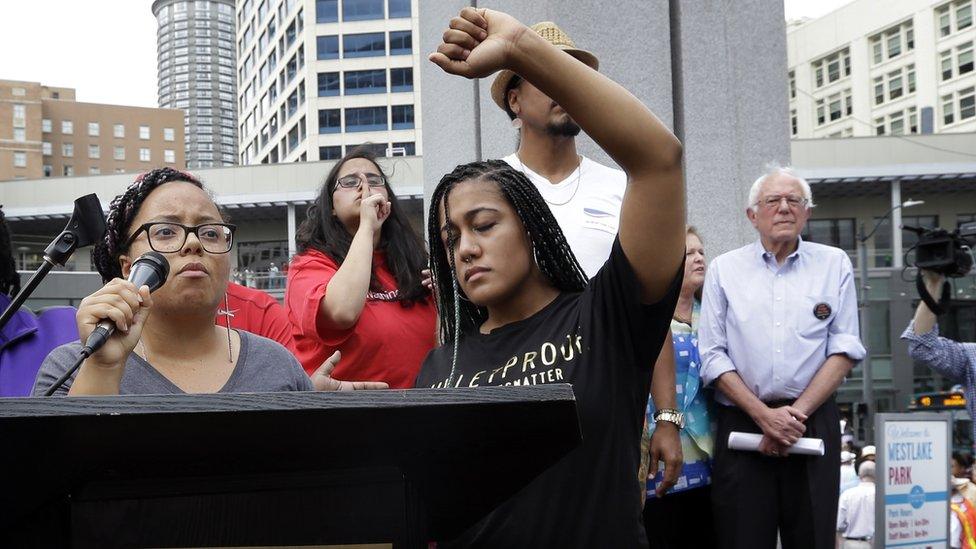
587	207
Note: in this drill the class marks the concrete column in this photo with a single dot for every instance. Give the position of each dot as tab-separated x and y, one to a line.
702	71
292	249
897	261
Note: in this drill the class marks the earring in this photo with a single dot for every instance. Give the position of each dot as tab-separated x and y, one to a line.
517	123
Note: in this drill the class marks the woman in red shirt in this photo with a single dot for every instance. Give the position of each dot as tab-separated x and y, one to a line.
356	284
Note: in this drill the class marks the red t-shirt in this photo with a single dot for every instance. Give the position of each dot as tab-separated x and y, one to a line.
257	312
388	343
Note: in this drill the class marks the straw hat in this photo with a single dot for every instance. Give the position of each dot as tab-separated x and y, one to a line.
868	450
558	38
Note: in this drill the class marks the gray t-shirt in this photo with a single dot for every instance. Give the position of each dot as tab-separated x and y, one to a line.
263	366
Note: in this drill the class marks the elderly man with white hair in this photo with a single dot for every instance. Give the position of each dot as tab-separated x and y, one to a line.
778	334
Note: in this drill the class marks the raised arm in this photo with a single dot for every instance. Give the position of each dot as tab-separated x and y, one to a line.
481	42
945	356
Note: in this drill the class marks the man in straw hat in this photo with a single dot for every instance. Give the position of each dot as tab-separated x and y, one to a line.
584	197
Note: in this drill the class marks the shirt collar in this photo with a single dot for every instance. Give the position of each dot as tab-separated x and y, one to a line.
765	255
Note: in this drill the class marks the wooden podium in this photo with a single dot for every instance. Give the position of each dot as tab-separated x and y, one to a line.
400	467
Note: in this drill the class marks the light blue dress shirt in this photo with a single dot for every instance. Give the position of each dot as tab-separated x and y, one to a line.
775	325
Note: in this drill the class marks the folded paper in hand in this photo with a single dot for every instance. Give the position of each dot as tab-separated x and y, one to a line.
750	441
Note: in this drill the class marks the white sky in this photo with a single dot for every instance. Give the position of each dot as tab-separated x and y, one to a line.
106	49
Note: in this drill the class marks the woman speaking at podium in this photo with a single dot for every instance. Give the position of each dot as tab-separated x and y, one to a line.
167	342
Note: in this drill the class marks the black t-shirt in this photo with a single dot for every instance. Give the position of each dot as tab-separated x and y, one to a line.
604	342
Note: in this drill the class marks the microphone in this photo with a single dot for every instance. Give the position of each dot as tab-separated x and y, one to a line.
151	269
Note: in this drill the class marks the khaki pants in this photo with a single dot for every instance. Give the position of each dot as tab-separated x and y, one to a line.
855	544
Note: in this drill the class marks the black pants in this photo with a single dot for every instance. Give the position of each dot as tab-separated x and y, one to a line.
754	496
679	520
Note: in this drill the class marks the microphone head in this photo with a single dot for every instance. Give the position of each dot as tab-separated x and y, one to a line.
151	269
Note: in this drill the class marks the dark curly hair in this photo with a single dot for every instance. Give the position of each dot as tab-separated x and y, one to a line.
122	211
552	252
9	279
324	232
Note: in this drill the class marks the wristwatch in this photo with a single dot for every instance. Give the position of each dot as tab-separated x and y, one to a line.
670	415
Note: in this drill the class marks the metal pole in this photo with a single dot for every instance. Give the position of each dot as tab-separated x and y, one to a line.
868	381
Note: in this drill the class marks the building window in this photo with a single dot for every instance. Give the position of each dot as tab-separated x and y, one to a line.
326	11
792	76
67	127
94	151
67	150
46	125
958	64
328	84
365	119
93	129
399	8
144	155
954	17
958	106
360	82
402	117
143	132
329	121
169	155
838	233
20	135
832	68
364	45
68	170
94	170
360	10
793	122
379	149
20	159
327	47
20	116
409	148
330	153
119	130
401	42
119	153
169	134
46	148
48	170
401	79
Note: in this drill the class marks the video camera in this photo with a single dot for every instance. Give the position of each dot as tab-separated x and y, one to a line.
944	252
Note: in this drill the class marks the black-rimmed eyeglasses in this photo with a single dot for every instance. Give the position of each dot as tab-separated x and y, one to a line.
166	237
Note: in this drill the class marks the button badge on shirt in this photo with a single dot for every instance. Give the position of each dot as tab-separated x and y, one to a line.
822	311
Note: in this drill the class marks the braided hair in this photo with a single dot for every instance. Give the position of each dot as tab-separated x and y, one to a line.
9	279
549	246
122	211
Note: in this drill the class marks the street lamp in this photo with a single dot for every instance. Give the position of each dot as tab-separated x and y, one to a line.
862	263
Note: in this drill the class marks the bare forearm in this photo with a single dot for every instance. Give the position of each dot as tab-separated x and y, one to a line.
663	379
824	383
736	390
93	380
345	294
925	319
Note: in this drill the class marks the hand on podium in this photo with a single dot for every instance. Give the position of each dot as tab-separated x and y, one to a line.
323	380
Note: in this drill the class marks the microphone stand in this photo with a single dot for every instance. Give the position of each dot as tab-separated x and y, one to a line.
86	225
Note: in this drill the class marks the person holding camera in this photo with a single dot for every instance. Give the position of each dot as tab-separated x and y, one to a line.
956	361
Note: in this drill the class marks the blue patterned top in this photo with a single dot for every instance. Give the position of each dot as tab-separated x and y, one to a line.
696	403
954	360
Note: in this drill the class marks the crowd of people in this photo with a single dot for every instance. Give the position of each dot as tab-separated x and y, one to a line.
537	268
